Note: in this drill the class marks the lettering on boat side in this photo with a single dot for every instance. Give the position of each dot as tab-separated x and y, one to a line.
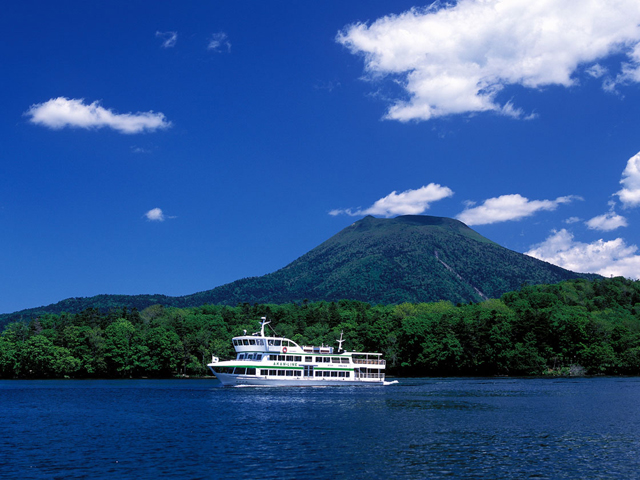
285	364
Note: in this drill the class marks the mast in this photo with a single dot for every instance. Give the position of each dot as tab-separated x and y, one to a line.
340	342
262	324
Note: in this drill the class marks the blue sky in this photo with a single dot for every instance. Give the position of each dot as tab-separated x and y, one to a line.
175	148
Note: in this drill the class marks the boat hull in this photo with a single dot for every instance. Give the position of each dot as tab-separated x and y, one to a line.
232	380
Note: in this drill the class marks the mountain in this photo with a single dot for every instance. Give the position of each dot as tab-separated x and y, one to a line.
412	258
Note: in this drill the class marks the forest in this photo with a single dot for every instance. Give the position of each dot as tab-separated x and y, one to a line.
576	327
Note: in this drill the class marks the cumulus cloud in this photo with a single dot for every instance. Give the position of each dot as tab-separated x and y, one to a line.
455	58
61	112
409	202
219	42
607	222
156	215
169	39
508	207
614	257
630	193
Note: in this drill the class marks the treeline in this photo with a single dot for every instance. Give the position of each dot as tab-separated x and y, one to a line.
575	327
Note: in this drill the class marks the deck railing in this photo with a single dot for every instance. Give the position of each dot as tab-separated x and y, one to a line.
379	376
362	361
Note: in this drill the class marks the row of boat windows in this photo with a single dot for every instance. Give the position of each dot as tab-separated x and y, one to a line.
250	356
292	358
272	342
281	373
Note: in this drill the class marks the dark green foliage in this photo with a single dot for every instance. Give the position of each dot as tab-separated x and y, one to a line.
575	326
410	258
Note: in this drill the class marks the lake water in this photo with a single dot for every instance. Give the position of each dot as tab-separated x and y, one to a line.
416	429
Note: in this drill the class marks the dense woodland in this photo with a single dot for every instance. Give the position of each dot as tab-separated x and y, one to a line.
575	327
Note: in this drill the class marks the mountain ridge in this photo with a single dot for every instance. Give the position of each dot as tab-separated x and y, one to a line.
410	258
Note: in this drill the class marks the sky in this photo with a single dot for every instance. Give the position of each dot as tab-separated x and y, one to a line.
175	147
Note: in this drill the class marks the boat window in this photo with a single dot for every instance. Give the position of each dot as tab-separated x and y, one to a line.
241	356
259	357
335	359
319	359
270	342
334	374
341	374
345	360
273	372
298	373
327	360
347	374
297	359
240	371
260	341
245	341
281	358
281	373
251	371
308	359
235	342
289	358
326	374
318	374
289	373
252	341
273	357
276	343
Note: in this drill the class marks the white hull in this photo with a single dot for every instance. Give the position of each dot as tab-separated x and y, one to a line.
253	380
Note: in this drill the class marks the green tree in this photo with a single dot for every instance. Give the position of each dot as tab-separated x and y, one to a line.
123	349
40	358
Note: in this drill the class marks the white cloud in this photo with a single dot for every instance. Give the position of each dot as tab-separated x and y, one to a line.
456	58
155	215
219	41
607	222
596	71
135	149
409	202
630	70
61	112
614	257
630	193
169	39
571	220
508	207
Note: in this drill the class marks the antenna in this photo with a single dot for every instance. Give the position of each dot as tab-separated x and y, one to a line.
340	342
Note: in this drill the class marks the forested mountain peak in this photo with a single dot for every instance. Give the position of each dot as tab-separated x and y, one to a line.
410	258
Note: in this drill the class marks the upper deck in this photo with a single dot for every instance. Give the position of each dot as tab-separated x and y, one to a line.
253	343
259	343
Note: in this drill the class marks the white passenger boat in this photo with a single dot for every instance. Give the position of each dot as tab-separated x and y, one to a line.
278	361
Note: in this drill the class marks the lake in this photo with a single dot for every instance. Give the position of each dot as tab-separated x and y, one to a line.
415	429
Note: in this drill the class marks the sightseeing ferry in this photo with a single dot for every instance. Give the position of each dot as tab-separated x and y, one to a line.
278	361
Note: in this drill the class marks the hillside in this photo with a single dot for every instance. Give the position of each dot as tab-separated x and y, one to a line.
405	259
411	258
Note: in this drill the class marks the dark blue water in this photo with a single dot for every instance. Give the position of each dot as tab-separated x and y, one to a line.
419	428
